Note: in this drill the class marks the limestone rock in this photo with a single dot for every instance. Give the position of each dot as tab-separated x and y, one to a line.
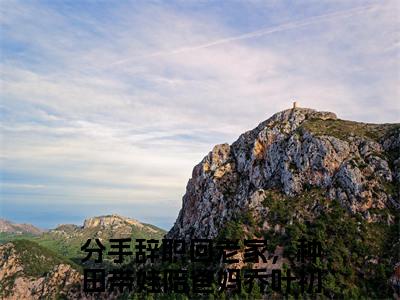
293	150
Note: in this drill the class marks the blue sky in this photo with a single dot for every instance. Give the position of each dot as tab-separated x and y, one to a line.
106	106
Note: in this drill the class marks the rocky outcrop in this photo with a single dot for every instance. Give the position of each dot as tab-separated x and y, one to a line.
20	279
17	284
104	227
63	280
114	221
296	149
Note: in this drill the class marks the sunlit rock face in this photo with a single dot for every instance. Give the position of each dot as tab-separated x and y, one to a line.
294	150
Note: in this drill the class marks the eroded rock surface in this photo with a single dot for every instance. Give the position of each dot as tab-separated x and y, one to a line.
294	150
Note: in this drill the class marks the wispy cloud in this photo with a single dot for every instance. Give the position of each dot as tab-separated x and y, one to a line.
21	185
260	32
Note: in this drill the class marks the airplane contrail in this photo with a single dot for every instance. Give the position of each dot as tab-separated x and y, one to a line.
253	34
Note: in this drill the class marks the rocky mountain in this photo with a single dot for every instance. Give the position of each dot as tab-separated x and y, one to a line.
14	228
306	174
67	239
294	151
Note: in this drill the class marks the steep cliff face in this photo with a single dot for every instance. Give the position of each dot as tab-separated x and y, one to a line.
294	151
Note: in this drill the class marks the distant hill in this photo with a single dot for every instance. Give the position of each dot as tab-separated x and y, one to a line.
14	228
67	239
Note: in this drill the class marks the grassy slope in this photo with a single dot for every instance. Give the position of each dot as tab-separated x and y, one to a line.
343	129
6	237
38	260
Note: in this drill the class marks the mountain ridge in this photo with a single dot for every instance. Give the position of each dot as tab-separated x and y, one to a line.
7	226
292	150
67	239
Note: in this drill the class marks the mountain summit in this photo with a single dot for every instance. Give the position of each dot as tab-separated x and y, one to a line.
292	152
305	174
117	221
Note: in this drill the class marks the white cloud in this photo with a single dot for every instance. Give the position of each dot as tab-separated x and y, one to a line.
21	185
